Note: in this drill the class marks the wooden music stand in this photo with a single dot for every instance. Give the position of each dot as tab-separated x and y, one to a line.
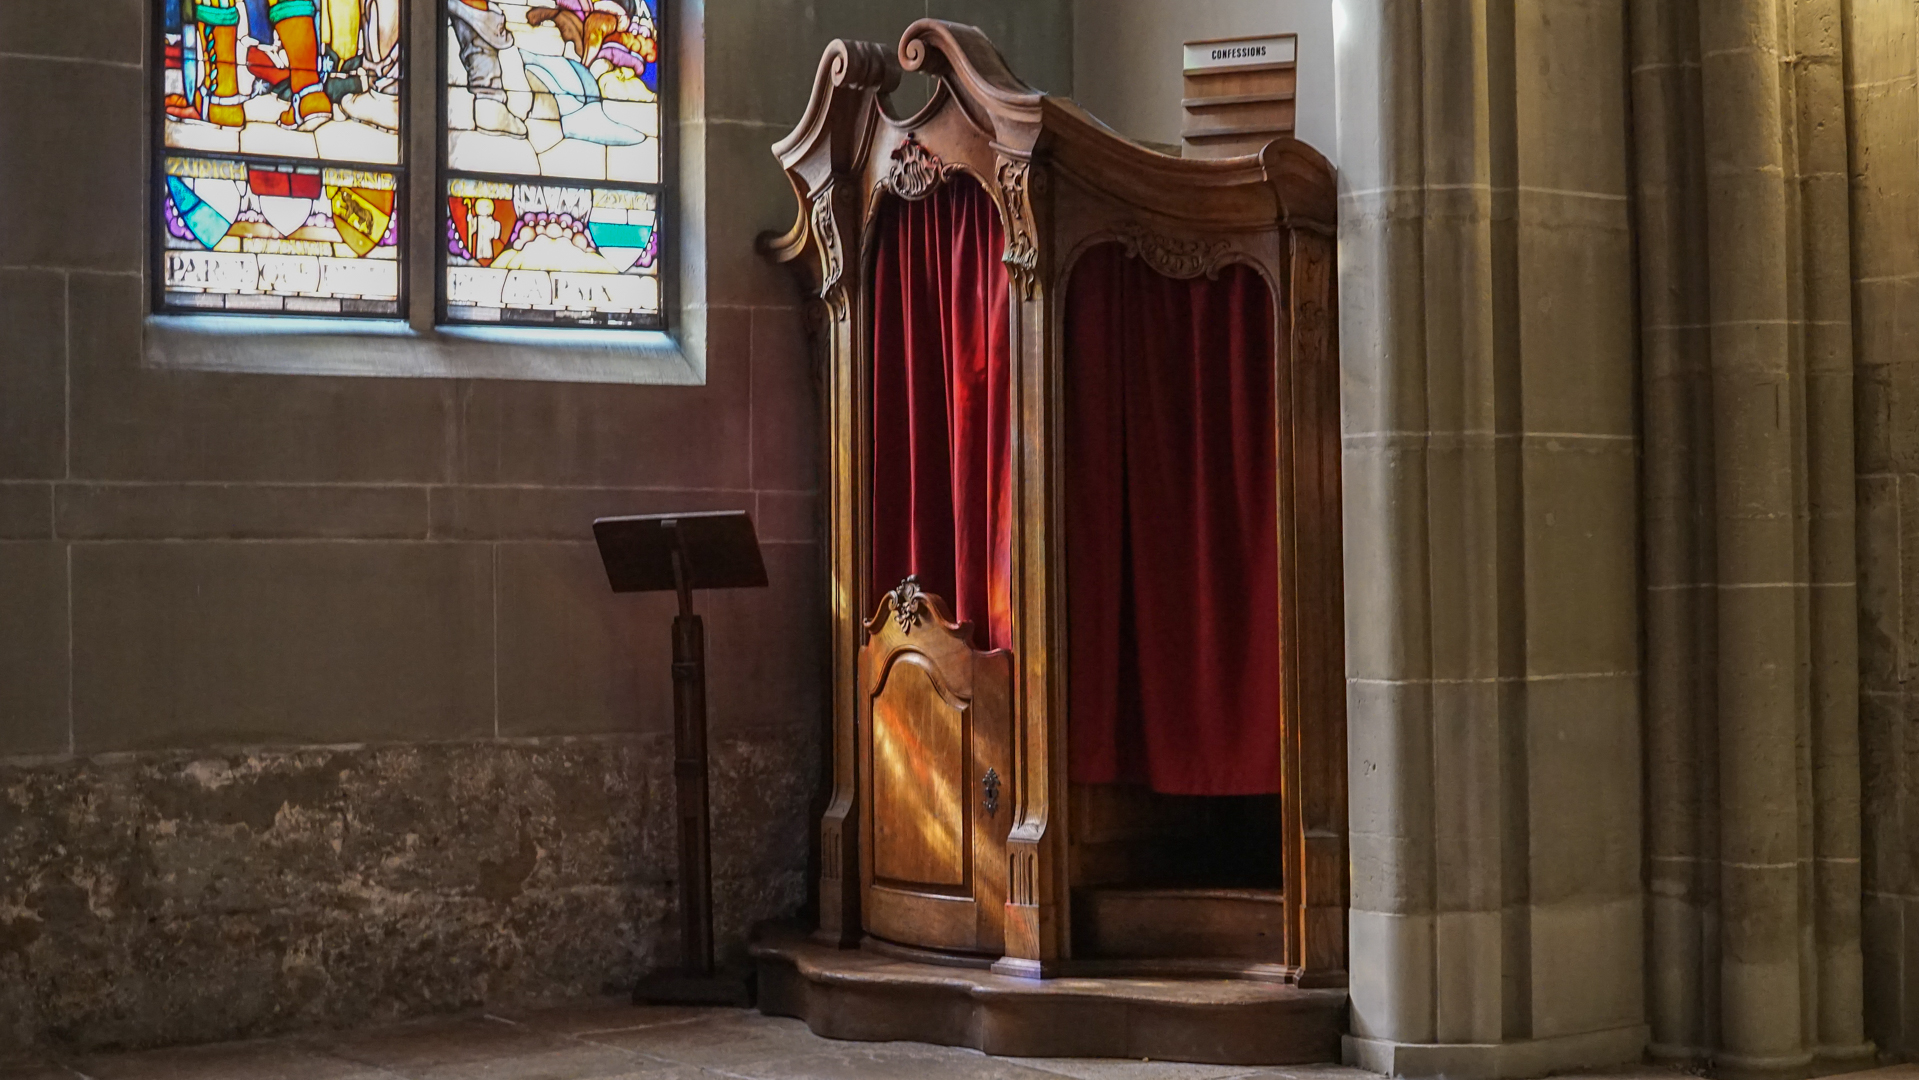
681	553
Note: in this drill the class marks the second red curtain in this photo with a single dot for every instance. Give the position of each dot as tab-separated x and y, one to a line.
942	406
1171	509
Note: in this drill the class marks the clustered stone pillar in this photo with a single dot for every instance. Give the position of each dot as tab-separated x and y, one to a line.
1491	528
1751	612
1501	165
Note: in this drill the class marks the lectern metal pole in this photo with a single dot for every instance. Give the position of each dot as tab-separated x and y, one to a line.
689	779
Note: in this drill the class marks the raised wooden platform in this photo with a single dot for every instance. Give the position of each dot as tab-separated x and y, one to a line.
860	994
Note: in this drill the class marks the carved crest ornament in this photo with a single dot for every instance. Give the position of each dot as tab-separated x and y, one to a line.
916	170
909	604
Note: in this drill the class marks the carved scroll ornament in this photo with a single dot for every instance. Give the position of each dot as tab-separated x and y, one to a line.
832	254
1174	256
1022	250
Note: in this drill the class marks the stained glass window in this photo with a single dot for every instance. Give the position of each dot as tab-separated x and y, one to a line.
553	162
280	181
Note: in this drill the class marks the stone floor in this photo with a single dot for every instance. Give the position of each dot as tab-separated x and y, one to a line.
616	1041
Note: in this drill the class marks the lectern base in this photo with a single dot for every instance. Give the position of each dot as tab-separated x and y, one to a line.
728	988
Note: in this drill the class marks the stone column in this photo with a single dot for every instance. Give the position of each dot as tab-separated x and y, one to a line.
1882	97
1680	534
1752	721
1831	755
1493	646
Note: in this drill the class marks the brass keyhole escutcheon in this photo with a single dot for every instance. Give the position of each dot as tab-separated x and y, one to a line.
989	784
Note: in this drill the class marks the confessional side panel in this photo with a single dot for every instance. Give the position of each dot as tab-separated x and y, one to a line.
1321	744
1034	860
834	216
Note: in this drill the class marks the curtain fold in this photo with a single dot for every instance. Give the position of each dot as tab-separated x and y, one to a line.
1171	510
941	452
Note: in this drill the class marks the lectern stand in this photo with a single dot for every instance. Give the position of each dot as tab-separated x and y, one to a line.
681	553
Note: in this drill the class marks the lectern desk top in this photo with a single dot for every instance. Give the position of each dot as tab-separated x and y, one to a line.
718	548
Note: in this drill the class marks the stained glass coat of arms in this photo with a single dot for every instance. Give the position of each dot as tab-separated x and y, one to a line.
281	134
554	157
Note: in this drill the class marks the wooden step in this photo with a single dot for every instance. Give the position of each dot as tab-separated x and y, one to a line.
856	994
1140	923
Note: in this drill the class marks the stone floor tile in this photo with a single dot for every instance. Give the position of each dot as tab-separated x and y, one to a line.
409	1048
1133	1069
612	1014
575	1061
277	1060
894	1061
735	1040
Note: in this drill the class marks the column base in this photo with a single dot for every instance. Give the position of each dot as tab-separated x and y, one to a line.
1826	1061
1498	1061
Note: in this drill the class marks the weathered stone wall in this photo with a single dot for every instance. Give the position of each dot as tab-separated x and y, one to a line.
217	895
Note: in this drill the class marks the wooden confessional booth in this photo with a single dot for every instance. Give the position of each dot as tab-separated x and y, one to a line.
1089	750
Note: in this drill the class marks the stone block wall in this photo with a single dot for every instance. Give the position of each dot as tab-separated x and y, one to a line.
313	703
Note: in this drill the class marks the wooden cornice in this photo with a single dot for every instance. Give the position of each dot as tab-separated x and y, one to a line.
1303	183
1288	183
998	101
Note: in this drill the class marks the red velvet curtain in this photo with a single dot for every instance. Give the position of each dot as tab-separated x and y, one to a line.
942	406
1171	529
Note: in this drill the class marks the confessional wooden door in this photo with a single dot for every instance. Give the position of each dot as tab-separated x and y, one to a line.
934	729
